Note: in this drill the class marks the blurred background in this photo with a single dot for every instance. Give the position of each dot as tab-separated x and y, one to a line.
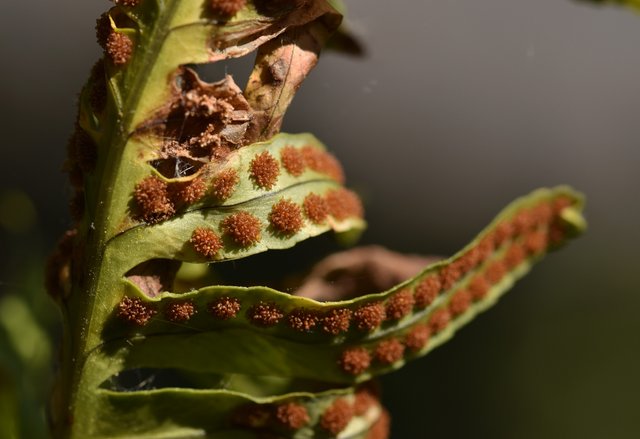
457	108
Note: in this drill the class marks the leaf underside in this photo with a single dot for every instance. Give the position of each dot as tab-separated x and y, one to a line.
299	357
175	176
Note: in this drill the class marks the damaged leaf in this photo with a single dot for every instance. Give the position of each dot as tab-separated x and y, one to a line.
175	176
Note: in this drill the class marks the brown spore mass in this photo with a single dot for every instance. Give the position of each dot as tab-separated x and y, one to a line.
264	170
153	201
332	167
119	47
536	241
180	311
224	308
336	321
495	272
399	305
343	204
286	217
514	256
389	351
103	29
542	214
469	260
365	398
381	428
459	303
427	291
206	242
449	275
227	8
323	163
292	160
355	361
252	415
337	416
523	221
302	320
265	314
316	208
134	311
224	184
292	416
486	247
188	192
83	150
439	320
478	287
312	157
417	338
369	317
243	228
98	90
503	232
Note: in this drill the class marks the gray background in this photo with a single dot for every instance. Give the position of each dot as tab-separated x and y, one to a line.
459	106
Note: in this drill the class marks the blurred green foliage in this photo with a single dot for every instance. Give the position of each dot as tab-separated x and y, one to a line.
28	320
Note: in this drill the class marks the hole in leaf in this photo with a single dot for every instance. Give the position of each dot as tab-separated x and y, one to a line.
140	379
177	167
281	270
338	276
135	380
360	271
121	19
154	276
239	68
204	122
